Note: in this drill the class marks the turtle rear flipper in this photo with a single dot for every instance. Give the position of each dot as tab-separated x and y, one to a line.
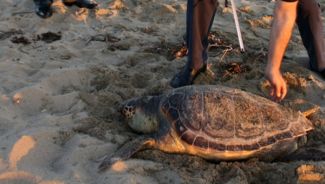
306	154
127	150
305	107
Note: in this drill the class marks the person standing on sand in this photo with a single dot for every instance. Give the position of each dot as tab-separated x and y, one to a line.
44	10
306	13
199	19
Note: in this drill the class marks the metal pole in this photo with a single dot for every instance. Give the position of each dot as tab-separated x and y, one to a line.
240	39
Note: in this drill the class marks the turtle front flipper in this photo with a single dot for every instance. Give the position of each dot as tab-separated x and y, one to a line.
127	150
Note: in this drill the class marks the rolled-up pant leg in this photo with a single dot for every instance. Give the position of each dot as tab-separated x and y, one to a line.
310	26
200	15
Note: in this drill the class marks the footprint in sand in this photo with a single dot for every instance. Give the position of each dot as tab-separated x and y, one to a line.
20	149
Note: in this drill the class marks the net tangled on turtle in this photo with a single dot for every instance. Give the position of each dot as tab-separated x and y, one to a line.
212	122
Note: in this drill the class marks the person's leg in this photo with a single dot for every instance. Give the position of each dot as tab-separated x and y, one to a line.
43	8
200	15
310	26
199	20
90	4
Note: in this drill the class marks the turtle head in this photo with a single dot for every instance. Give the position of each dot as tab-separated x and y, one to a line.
141	113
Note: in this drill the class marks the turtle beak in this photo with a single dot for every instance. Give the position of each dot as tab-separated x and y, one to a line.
121	108
122	111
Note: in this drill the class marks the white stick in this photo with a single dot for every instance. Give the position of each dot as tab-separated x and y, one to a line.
240	39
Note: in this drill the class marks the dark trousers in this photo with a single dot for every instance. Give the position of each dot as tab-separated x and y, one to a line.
200	15
309	21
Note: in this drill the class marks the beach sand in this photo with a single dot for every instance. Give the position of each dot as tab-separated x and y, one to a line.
62	79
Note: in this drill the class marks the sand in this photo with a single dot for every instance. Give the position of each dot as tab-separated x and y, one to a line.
62	79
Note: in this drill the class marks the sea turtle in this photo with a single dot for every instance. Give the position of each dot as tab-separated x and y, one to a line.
213	122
